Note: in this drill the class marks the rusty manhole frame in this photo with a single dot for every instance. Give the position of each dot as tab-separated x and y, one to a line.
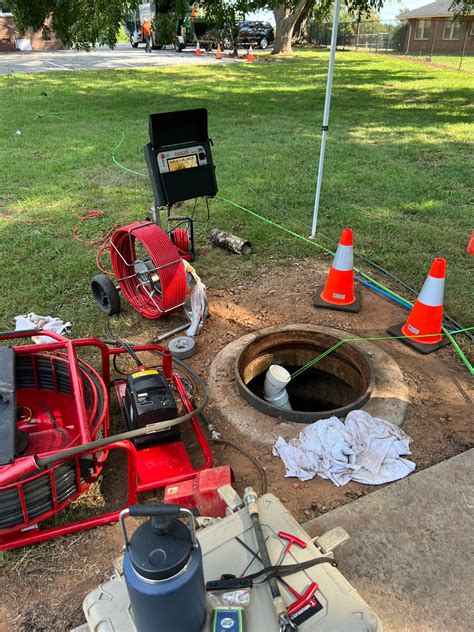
298	346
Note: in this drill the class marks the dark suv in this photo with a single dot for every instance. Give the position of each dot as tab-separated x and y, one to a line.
256	34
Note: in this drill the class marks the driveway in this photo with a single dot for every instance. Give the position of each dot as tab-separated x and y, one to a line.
123	56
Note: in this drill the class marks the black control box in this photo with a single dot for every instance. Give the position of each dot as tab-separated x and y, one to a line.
179	157
148	399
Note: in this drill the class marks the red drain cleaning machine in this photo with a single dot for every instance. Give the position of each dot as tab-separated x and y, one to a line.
147	259
54	424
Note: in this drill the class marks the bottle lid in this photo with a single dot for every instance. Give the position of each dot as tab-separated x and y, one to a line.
159	548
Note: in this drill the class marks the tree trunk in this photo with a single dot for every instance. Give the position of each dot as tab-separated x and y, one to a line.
285	21
300	31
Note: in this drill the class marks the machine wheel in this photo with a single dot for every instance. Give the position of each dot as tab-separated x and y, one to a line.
105	294
263	43
132	43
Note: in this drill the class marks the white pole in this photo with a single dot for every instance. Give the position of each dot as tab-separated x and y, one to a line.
327	105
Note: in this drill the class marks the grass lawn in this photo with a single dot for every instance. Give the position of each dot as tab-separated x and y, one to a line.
398	169
450	61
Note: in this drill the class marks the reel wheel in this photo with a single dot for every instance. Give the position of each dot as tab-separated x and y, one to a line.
105	294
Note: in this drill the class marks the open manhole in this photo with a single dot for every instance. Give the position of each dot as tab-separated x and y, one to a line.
340	382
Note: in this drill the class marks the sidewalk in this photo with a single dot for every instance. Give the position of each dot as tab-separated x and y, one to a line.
410	555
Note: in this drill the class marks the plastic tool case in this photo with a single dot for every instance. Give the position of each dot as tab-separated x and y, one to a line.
107	608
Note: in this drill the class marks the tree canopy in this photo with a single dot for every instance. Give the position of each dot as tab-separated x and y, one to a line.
80	23
85	23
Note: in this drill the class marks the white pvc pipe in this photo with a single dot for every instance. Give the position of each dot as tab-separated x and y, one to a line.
277	379
327	105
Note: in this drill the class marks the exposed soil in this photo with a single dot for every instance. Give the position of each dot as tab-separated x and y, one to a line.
43	586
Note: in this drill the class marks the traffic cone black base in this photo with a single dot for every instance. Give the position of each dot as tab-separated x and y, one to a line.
354	307
396	330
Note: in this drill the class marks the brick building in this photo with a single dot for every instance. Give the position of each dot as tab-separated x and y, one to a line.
11	39
435	29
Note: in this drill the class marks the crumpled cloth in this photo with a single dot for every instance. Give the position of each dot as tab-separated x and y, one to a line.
49	323
364	449
199	304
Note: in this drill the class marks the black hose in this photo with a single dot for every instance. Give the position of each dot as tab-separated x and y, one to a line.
261	471
219	439
270	571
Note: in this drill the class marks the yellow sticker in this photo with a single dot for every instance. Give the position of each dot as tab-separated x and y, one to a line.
172	490
147	372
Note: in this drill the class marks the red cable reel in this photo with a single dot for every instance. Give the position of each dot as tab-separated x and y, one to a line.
149	271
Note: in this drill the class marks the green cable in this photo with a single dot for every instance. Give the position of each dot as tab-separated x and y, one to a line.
344	340
116	162
457	348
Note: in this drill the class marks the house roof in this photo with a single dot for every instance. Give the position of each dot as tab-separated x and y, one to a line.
438	9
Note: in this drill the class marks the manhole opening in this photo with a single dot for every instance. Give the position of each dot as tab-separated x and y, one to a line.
340	382
312	391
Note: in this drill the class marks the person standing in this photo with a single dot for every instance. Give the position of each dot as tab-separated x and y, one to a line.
146	32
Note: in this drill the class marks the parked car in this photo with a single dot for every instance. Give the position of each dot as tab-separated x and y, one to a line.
259	34
256	34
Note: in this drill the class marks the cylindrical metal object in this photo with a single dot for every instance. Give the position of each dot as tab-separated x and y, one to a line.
163	571
250	499
231	242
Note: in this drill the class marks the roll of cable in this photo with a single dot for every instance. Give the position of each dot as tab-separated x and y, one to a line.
159	285
180	238
182	347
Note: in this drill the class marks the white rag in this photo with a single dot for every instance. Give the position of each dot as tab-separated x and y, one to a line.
199	306
48	323
364	449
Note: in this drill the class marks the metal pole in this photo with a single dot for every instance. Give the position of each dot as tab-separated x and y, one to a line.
327	105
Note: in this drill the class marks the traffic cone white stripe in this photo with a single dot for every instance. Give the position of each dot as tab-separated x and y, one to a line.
343	260
432	292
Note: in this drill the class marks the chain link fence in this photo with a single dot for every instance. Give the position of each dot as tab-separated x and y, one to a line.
446	42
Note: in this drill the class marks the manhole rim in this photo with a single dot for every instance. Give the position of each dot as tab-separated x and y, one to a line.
294	416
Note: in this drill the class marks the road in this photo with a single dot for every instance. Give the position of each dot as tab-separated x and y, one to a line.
123	56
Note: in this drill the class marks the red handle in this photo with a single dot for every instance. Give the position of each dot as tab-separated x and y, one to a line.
307	598
292	539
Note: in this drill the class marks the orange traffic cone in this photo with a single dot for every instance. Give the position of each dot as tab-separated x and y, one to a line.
250	56
426	317
470	247
193	12
219	51
338	292
198	50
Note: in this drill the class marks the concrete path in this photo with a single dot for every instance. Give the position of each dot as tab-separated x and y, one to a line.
123	56
410	555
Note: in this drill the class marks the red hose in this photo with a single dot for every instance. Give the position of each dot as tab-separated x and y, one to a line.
166	261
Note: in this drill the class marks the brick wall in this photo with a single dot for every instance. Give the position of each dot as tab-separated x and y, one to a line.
435	41
9	34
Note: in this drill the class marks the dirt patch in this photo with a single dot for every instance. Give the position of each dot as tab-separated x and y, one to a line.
43	586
